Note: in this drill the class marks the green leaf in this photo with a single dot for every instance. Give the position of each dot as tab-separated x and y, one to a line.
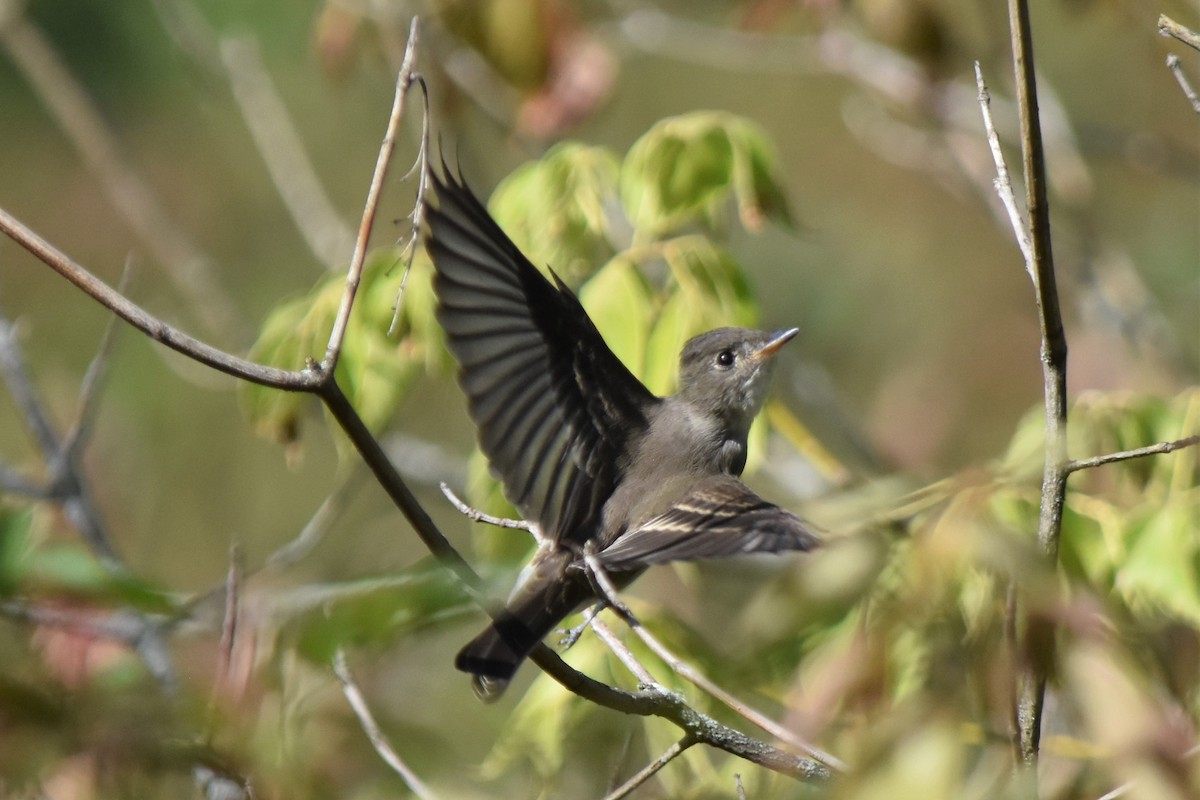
1163	565
708	285
74	571
370	612
619	302
559	210
686	170
16	526
375	370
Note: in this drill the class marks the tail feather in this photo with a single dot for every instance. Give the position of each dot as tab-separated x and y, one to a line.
539	603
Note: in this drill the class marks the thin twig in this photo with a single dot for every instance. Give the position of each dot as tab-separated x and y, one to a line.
93	381
354	273
1184	83
1137	452
417	217
229	626
1169	27
314	530
146	322
65	485
475	515
1120	791
648	771
623	653
370	727
1002	182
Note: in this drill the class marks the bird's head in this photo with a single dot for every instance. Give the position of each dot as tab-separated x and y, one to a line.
725	372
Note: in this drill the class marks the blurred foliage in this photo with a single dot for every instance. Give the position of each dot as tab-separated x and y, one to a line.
375	370
891	647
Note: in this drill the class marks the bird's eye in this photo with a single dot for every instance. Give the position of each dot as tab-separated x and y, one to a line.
725	358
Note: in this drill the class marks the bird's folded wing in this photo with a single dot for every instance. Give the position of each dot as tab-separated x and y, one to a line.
554	406
720	517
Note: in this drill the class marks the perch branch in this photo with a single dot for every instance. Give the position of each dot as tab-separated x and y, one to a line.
697	678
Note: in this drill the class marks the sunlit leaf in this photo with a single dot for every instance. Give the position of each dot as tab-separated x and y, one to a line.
686	170
375	370
618	301
562	210
1163	564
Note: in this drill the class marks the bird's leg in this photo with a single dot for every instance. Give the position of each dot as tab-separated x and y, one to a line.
571	635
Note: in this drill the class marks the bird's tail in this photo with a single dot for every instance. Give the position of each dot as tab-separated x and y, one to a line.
550	591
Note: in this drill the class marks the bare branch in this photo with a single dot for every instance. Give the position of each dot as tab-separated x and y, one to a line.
16	376
313	531
1125	455
1184	83
233	584
648	771
138	631
370	727
1032	690
698	679
417	217
93	380
147	323
354	274
475	515
1169	27
622	652
1002	182
65	485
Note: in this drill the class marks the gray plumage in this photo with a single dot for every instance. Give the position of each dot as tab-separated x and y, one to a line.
582	448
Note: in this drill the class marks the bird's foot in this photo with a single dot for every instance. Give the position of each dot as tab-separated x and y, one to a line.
571	635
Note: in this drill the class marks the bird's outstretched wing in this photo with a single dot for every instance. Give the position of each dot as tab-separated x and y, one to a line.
720	517
554	406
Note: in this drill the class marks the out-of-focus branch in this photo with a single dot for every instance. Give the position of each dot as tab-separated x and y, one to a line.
379	740
189	268
650	770
64	484
283	153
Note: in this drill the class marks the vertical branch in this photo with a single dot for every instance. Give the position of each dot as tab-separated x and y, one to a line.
1031	692
354	275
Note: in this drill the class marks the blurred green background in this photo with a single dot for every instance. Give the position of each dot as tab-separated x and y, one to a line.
918	348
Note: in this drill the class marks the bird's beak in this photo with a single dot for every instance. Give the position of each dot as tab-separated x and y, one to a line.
777	341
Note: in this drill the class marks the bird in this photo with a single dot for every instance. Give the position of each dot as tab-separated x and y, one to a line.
592	459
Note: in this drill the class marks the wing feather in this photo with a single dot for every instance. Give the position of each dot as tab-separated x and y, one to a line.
720	517
554	406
